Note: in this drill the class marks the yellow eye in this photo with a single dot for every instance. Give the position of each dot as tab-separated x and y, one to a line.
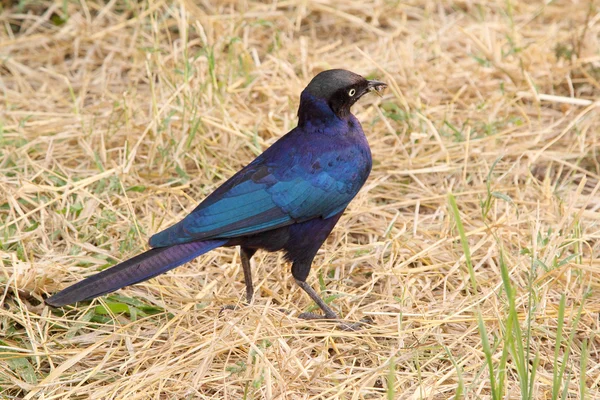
351	92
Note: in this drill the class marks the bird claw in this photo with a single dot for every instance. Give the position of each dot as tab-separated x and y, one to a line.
235	307
231	307
309	315
355	326
343	325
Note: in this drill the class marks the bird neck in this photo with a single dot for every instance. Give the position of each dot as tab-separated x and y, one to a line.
316	111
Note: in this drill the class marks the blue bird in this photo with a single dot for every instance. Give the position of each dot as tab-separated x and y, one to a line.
289	198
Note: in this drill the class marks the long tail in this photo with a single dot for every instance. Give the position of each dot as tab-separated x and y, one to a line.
137	269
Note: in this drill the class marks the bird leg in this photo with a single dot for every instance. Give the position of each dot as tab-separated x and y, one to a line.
245	255
329	313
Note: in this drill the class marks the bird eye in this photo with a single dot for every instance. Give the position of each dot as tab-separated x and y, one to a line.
351	92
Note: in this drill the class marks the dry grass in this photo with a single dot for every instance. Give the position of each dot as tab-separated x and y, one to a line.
119	117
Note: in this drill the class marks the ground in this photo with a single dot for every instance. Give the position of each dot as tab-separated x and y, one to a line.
473	246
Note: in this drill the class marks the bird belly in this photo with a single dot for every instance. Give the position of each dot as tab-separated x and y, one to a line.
273	240
300	240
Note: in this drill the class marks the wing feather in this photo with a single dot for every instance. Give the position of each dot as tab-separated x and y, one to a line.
265	196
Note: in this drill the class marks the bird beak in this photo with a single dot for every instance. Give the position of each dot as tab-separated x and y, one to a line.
376	86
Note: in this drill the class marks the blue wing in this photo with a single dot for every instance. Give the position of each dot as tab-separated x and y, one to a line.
277	189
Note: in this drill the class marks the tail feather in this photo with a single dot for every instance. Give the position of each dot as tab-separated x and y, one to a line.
137	269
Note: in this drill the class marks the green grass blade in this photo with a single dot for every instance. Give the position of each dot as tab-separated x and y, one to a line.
583	369
463	239
487	350
458	393
557	375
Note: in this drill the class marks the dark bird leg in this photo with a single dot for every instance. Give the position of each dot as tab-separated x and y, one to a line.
245	255
329	313
300	242
297	269
305	239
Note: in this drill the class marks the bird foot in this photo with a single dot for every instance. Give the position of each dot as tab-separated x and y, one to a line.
343	325
231	307
234	307
310	315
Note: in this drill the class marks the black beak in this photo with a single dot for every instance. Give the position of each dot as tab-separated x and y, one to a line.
375	86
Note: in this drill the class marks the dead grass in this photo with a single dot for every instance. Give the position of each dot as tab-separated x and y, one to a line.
119	117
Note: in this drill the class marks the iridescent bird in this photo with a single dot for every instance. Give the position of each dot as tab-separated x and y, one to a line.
289	198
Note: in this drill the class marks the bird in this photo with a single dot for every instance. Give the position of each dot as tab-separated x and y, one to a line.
287	199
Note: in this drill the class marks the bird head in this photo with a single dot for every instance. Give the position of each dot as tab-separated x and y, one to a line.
340	89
